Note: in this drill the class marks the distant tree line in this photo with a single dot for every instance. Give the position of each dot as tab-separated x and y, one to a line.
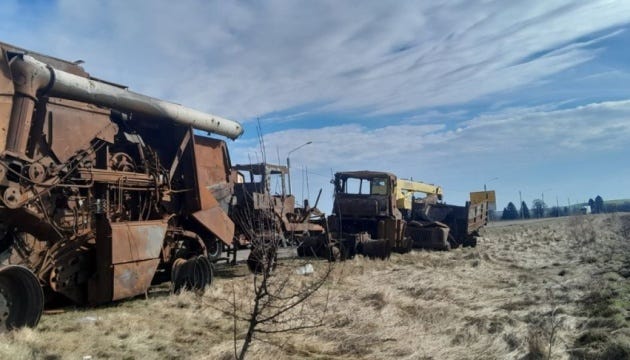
597	205
511	213
539	209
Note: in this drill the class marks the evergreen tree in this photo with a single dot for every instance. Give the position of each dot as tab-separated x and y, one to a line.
538	207
524	210
599	205
510	212
591	203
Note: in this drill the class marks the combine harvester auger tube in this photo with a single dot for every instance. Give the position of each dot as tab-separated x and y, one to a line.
21	298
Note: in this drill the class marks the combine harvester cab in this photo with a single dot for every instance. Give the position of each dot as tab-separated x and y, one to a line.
102	190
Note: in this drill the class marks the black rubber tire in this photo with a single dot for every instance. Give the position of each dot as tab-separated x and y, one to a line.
23	297
471	242
208	268
453	244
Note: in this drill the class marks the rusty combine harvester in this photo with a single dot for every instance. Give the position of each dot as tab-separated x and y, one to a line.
375	213
266	216
102	190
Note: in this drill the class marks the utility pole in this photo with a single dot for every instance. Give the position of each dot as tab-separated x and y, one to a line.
485	191
557	206
289	162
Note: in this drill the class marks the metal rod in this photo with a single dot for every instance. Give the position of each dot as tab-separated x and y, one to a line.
289	163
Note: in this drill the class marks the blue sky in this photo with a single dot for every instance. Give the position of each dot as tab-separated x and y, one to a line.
531	94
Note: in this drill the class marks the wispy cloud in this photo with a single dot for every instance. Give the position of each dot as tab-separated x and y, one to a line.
588	128
512	141
247	59
417	70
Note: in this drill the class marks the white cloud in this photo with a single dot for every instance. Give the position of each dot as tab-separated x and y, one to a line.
245	59
588	128
510	142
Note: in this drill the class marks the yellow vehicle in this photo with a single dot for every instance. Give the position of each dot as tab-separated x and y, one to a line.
375	213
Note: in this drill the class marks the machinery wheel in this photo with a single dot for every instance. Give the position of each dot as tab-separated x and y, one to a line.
262	260
208	269
192	274
452	242
471	241
21	298
335	254
215	249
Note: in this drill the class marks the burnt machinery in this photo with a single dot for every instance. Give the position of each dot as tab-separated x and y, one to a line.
266	216
102	190
375	213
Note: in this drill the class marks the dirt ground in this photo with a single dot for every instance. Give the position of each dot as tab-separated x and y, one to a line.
553	289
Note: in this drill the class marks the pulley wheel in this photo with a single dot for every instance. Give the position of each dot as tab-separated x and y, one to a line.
12	197
36	172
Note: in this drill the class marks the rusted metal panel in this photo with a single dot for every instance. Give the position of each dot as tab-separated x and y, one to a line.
69	127
429	236
303	227
477	216
6	103
262	201
356	207
136	241
213	163
132	279
212	171
6	100
212	166
6	78
218	222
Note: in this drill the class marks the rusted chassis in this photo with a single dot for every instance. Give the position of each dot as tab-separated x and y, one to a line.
369	225
368	221
444	226
102	191
266	220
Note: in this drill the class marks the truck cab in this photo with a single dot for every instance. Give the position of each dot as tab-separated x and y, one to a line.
365	218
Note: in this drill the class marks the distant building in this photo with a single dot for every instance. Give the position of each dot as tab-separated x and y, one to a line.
585	209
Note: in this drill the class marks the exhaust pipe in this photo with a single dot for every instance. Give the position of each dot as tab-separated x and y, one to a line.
33	77
21	298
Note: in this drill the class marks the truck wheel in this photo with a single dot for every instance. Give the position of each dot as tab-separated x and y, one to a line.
471	241
452	242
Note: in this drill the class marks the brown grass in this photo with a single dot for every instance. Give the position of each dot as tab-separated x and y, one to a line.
490	302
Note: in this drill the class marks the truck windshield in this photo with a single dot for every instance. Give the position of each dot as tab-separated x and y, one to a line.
375	186
378	186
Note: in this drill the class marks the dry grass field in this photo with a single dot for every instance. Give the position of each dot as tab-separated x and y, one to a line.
554	289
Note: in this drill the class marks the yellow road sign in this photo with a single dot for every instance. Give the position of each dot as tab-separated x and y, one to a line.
489	196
